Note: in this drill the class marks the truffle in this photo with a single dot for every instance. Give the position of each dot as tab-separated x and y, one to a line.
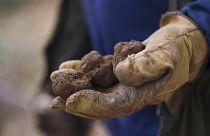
99	68
69	81
123	49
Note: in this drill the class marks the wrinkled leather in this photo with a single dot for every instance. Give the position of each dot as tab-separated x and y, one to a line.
72	64
174	55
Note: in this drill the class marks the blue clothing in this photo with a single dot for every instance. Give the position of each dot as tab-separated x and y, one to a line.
111	21
145	122
199	11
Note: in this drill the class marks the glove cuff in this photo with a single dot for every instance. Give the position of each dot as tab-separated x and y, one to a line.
198	50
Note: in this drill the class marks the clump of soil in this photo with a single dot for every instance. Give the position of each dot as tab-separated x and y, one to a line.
69	81
123	49
99	68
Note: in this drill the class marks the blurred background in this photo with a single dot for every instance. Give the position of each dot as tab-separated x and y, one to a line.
25	29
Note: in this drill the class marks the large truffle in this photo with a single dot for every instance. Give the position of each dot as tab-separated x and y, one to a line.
99	68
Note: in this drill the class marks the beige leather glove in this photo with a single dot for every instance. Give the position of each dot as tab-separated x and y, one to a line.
174	54
72	64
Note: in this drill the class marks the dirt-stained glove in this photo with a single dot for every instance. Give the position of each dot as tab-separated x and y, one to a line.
174	54
72	64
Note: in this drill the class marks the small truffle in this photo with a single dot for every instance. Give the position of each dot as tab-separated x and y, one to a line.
69	81
123	49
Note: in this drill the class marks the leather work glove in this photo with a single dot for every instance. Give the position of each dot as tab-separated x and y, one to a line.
173	55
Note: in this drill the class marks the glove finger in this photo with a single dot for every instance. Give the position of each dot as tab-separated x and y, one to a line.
72	64
120	101
56	73
59	104
96	105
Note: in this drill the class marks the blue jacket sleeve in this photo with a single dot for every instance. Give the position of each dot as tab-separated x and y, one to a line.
199	11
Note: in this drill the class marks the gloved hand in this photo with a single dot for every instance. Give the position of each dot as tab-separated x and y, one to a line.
174	55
